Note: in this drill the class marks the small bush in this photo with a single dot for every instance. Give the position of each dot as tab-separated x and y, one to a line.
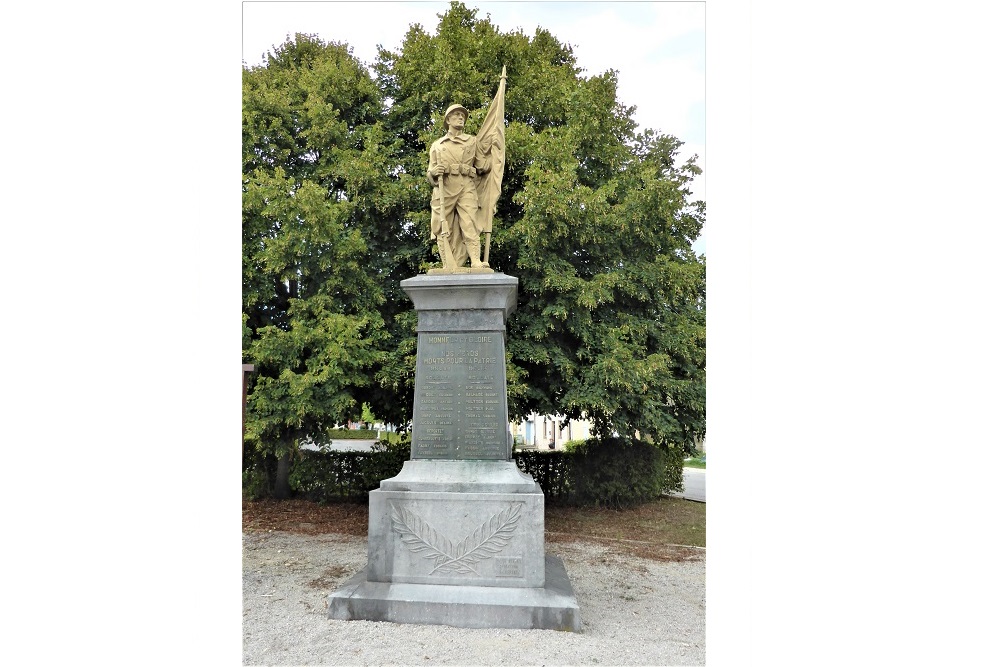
674	476
551	469
255	483
622	472
259	470
615	472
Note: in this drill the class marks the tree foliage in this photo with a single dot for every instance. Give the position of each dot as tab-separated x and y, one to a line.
595	220
313	161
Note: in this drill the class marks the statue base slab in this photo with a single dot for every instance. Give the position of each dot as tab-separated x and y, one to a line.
552	607
458	271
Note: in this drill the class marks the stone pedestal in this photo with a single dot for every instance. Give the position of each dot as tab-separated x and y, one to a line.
457	537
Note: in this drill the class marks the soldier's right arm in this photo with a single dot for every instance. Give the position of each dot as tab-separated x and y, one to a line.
435	168
430	165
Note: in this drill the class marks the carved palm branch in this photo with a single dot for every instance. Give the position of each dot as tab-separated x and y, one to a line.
420	538
490	538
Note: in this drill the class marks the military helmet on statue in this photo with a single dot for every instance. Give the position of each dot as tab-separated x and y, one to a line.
456	107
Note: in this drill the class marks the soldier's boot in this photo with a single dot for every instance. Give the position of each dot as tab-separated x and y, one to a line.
474	255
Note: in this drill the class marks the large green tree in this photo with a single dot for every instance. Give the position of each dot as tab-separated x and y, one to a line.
595	219
314	167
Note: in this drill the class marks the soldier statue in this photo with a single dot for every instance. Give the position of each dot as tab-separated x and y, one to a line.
466	172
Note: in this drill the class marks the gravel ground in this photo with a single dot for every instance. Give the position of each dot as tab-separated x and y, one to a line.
635	612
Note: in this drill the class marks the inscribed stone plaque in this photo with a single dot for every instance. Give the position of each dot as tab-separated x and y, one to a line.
460	402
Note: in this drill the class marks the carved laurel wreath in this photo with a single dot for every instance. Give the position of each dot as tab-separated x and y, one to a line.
490	538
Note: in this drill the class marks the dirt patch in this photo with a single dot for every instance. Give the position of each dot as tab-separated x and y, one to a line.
304	517
667	521
329	578
667	553
669	530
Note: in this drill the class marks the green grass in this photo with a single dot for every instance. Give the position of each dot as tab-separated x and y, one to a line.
392	437
349	434
695	462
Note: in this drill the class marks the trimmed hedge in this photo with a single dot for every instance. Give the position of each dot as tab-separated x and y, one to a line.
351	434
337	476
551	469
613	473
617	472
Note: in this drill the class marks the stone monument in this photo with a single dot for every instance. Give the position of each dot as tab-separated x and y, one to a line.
457	537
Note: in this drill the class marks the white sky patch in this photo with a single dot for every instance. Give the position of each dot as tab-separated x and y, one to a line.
657	48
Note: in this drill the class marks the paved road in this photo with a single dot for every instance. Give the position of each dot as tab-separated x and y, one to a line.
694	485
342	446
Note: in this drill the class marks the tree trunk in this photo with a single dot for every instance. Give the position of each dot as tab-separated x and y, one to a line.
282	488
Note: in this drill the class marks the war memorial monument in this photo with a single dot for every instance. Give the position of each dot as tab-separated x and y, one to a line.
457	537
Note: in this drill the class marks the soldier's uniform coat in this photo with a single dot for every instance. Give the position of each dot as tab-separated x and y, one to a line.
457	217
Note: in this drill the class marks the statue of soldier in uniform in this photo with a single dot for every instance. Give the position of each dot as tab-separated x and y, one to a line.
453	171
466	172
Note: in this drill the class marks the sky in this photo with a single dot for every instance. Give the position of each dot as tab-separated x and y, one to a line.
658	48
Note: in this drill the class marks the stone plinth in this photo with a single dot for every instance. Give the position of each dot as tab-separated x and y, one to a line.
457	537
460	397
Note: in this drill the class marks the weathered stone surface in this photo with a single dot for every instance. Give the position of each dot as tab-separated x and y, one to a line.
461	477
460	397
457	539
553	607
463	292
436	321
460	404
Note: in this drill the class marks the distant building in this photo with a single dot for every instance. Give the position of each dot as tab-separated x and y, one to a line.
544	432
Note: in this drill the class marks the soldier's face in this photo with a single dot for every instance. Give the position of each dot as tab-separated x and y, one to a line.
456	120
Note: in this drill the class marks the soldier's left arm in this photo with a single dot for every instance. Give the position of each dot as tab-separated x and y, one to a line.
482	162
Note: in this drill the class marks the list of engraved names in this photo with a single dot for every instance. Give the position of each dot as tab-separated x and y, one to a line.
460	411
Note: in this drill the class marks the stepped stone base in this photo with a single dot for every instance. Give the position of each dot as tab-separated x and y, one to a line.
458	536
552	607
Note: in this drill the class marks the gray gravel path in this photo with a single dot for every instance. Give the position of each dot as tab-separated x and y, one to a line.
635	612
